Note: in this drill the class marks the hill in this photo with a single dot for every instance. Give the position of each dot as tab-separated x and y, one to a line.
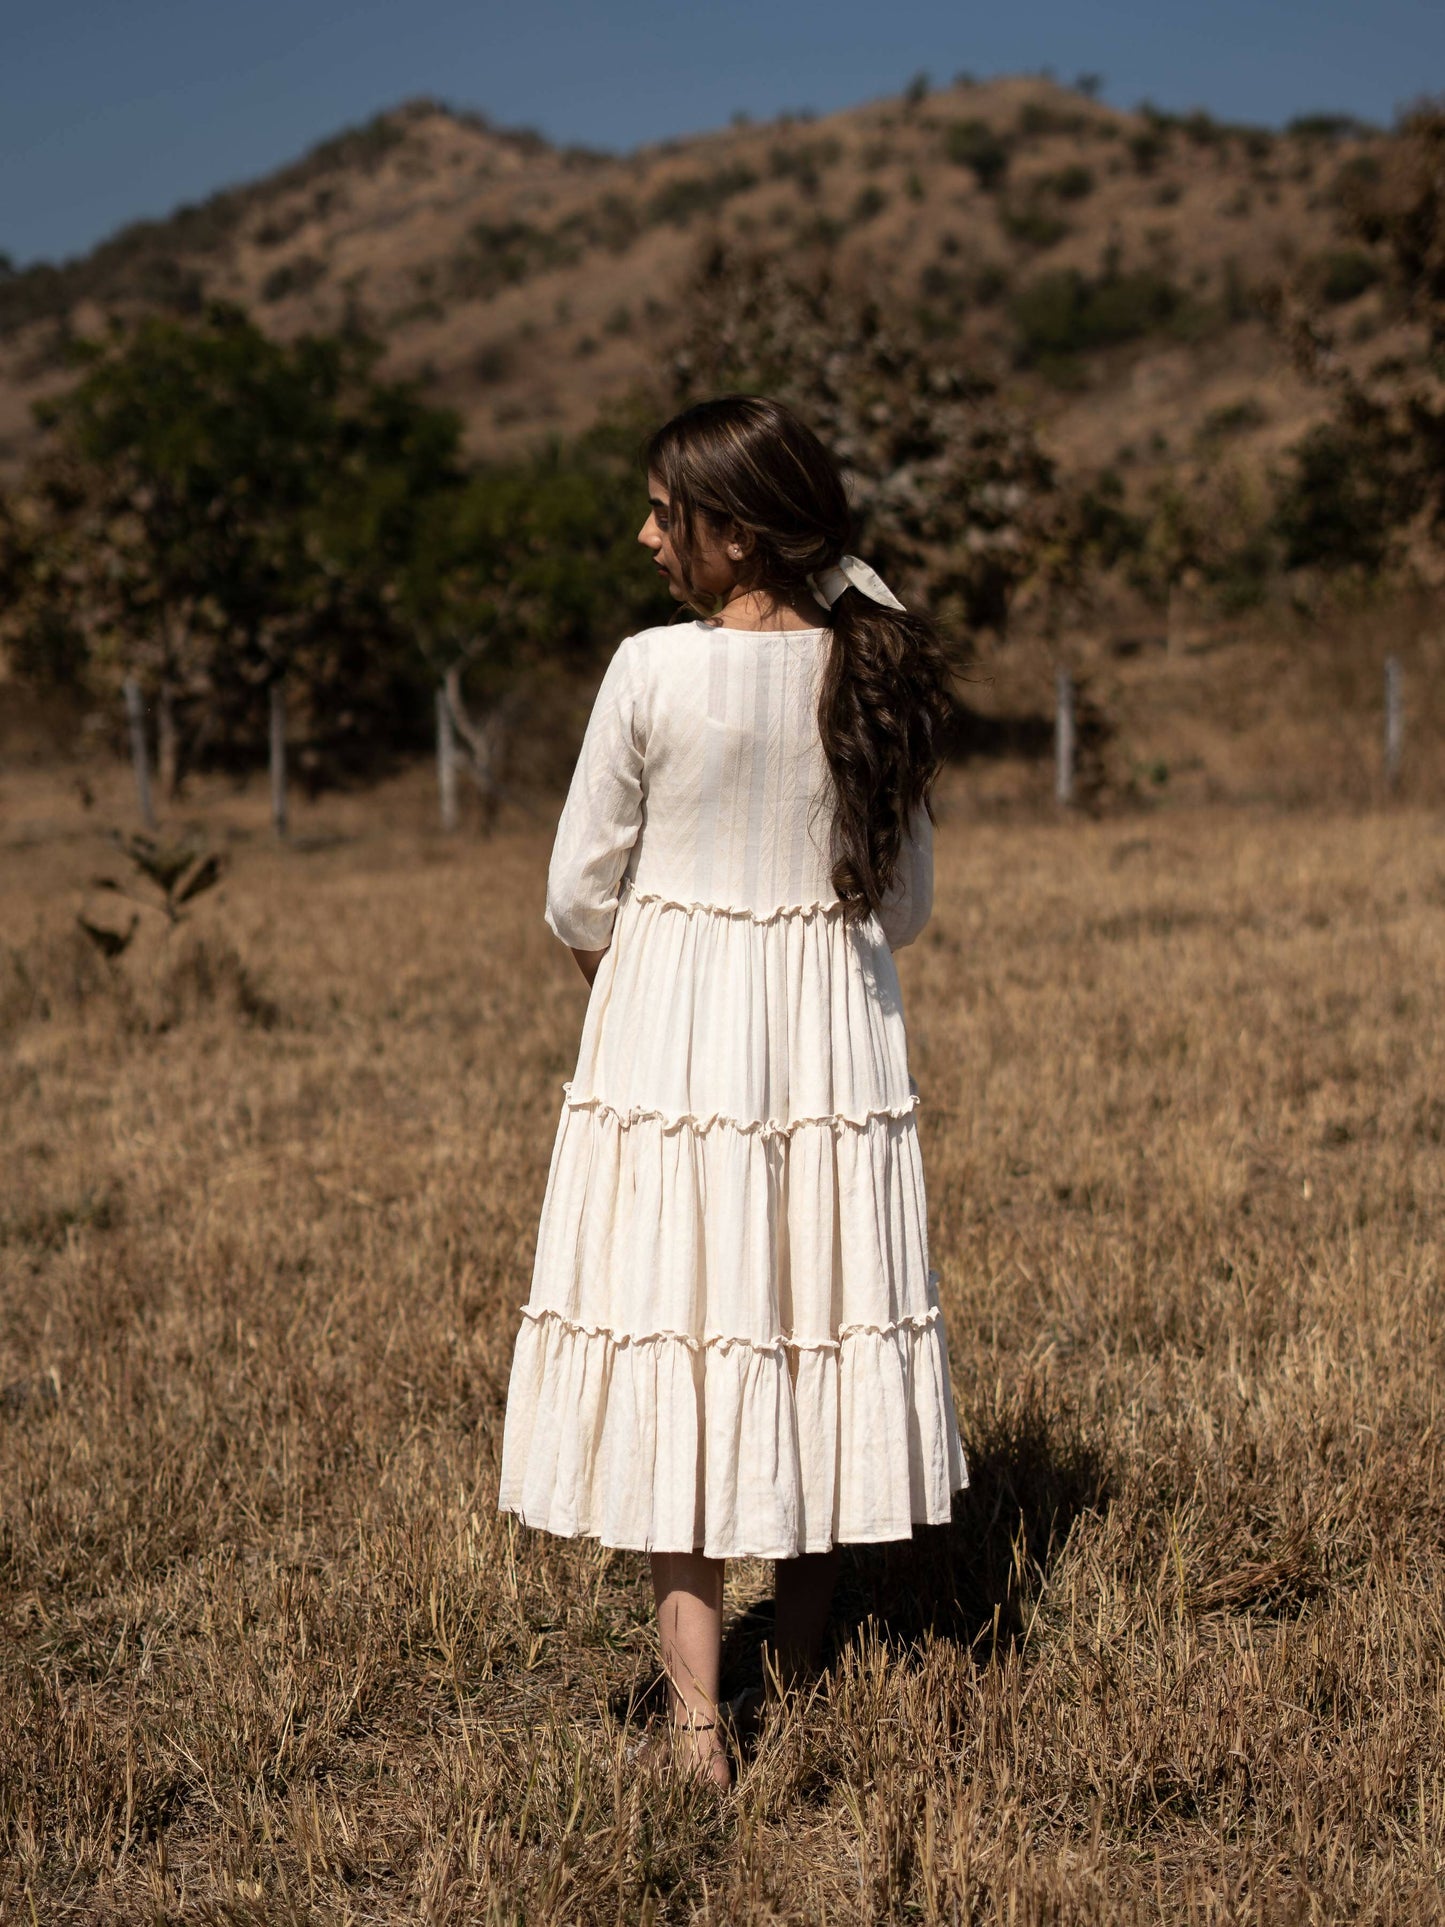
1105	265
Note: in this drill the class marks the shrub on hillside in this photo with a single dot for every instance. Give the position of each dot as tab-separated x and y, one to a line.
296	276
1074	183
1066	313
1032	223
1356	180
1038	117
1147	147
868	205
947	293
277	229
1343	274
680	201
1345	494
1204	130
500	254
804	162
976	145
1327	127
1233	418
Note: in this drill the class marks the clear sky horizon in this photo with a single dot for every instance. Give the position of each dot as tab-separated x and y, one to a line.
113	113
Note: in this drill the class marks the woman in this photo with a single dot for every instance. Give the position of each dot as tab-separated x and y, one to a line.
732	1345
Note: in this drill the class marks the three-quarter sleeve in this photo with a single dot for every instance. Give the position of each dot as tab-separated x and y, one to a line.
603	812
909	902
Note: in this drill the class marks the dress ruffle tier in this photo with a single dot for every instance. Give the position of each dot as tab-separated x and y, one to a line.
733	1342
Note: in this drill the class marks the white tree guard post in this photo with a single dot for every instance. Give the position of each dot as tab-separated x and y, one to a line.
135	714
168	748
1394	721
1064	739
278	757
446	761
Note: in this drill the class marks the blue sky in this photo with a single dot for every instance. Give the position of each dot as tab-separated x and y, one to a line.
111	110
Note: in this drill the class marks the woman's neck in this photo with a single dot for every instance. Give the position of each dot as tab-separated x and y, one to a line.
760	609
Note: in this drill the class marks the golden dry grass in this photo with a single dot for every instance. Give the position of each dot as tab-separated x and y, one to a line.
267	1212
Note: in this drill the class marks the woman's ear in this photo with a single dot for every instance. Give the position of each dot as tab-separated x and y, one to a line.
739	544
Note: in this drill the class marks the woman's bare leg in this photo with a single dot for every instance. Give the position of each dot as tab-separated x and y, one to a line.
804	1589
689	1592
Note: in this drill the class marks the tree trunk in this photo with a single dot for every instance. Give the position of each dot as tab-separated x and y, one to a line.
140	763
446	761
278	756
484	742
168	759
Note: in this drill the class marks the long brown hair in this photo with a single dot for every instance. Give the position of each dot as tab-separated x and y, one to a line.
885	697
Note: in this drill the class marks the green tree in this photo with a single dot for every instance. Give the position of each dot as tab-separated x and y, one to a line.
953	493
235	507
215	511
1367	487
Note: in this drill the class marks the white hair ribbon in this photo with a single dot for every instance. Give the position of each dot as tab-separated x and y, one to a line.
828	584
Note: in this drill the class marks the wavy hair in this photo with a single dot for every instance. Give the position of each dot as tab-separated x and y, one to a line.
884	701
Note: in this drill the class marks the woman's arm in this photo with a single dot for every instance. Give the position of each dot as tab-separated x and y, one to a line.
589	962
909	903
602	817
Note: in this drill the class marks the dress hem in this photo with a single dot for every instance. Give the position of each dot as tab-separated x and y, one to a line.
619	1544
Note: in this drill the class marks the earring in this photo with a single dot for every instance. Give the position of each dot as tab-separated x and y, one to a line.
735	552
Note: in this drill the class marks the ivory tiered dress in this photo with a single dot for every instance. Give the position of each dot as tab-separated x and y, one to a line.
733	1341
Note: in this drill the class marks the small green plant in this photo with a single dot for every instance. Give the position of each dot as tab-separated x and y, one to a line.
169	876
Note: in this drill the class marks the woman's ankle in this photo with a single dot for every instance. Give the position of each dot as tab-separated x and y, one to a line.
698	1743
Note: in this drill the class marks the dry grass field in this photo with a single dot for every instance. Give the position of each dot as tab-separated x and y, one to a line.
266	1215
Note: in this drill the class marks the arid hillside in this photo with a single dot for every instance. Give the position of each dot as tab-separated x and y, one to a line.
1105	265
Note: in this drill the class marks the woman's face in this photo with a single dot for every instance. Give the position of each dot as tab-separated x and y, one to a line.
716	562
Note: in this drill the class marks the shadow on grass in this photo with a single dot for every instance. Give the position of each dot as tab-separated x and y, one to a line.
1032	1472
